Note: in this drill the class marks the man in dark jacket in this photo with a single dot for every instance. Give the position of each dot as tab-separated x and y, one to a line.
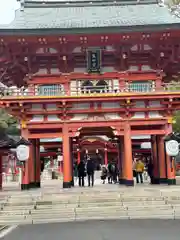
150	168
90	171
81	173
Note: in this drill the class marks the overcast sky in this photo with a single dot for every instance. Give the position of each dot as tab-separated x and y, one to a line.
7	11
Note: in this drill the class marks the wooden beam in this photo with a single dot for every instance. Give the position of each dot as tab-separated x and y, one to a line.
93	124
44	135
148	132
82	76
93	110
143	122
44	125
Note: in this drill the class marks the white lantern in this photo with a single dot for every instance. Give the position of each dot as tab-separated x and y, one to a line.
22	152
172	148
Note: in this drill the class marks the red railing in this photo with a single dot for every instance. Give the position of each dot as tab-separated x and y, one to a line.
59	90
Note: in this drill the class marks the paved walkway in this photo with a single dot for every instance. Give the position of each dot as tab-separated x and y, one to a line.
55	186
100	230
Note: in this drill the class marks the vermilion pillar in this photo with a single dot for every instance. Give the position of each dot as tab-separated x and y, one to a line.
1	177
32	164
161	160
38	164
155	160
67	168
128	165
121	160
26	177
171	171
72	161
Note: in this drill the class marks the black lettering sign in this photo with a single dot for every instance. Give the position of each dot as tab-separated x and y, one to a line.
94	61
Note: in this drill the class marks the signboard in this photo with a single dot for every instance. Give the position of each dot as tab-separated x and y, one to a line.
22	152
94	60
172	148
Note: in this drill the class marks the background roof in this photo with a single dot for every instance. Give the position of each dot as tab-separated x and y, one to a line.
86	14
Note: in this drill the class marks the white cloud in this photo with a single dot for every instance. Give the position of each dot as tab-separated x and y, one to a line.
7	11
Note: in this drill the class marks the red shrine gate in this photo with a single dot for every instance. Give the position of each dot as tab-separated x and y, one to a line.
91	78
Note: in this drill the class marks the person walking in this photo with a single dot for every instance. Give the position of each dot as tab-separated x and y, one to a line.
115	173
90	167
81	173
110	173
139	167
150	169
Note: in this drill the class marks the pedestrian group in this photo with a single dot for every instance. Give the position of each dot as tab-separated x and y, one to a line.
110	172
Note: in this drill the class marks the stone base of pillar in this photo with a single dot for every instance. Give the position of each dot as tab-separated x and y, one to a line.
67	184
128	183
163	181
155	181
32	185
37	184
25	187
159	181
171	181
122	181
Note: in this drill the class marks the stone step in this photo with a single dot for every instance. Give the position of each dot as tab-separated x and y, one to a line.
144	203
173	202
19	207
23	204
14	222
49	216
99	209
52	220
98	200
55	206
14	212
141	198
172	195
53	211
12	217
158	207
105	217
167	216
101	214
75	205
150	213
99	204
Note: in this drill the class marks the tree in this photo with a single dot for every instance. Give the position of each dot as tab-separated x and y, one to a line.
8	123
176	124
172	3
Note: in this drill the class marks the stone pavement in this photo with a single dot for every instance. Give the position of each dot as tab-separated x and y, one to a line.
99	230
51	203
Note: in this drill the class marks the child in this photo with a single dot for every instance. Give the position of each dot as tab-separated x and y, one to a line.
104	174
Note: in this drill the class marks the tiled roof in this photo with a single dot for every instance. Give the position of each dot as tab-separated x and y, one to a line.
82	15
